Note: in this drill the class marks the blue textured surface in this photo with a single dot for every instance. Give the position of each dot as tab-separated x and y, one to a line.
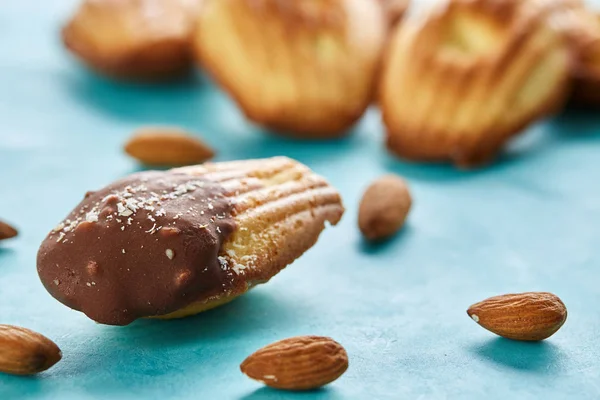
531	222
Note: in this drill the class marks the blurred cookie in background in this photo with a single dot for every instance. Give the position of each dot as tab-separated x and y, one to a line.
394	10
301	68
139	40
462	79
581	27
586	89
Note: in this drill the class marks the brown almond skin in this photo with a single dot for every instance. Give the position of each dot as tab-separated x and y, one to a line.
25	352
384	207
167	147
298	363
530	316
7	231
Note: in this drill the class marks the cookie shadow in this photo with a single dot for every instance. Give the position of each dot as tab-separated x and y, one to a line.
428	171
575	124
199	106
170	102
244	314
523	149
534	357
167	339
255	142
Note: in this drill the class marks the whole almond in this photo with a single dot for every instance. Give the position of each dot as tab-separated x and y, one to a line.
167	147
298	363
7	231
524	316
384	207
25	352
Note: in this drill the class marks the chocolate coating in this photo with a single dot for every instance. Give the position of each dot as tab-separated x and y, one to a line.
145	245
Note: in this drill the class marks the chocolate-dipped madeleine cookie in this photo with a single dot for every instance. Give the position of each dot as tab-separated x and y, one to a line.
139	40
460	81
302	68
175	243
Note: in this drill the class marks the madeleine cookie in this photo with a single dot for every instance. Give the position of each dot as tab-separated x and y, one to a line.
394	10
141	40
175	243
302	68
458	83
586	87
581	28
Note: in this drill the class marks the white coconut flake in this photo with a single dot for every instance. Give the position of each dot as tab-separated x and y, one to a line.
152	229
223	262
231	253
59	227
131	204
170	254
124	212
239	269
91	216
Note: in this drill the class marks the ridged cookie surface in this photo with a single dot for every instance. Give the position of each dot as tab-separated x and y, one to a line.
170	244
394	10
581	29
303	68
460	81
138	40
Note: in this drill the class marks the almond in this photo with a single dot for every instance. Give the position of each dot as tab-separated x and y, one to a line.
167	147
24	352
524	316
384	207
298	363
7	231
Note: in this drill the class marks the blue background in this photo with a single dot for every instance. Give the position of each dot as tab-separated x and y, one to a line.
530	222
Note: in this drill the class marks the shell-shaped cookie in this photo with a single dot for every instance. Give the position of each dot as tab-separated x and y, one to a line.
140	40
461	80
586	90
581	28
303	68
394	10
168	244
280	209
